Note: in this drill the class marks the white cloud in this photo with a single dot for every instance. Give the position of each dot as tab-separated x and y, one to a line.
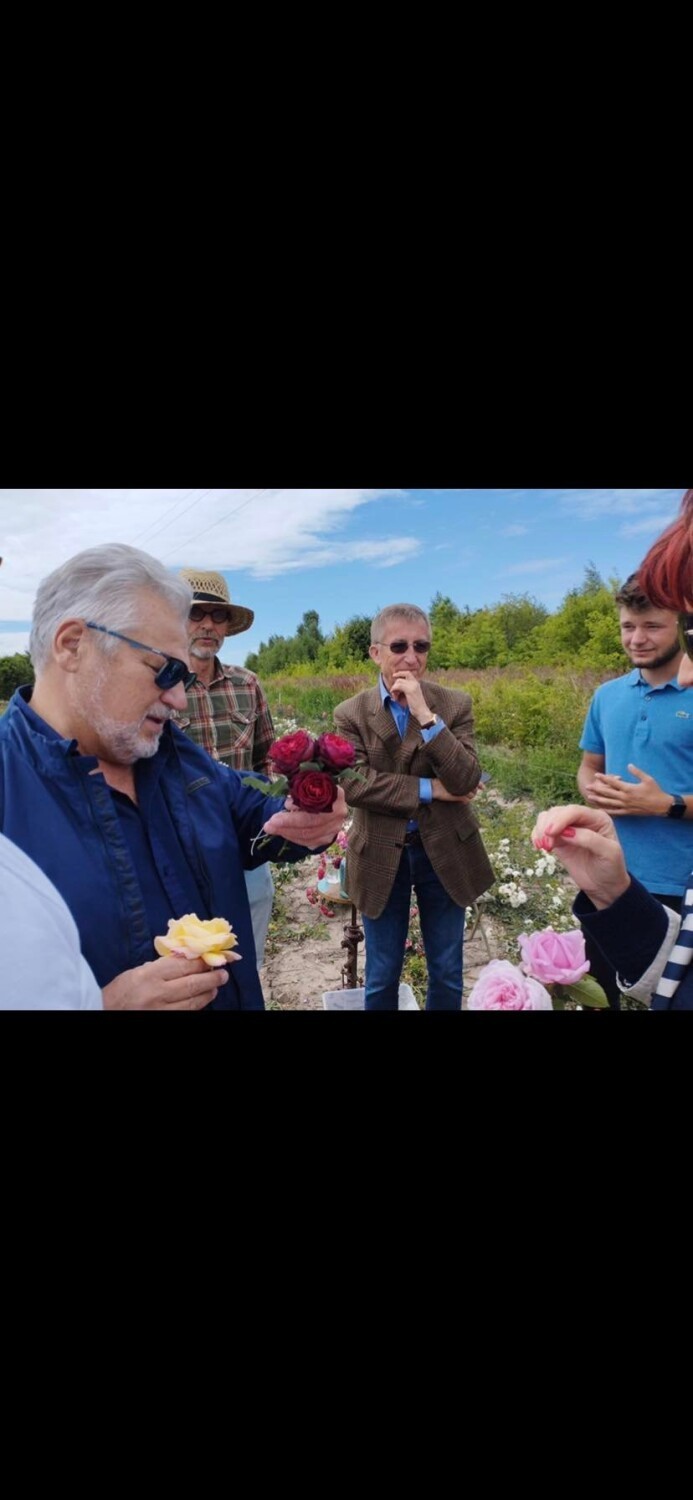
514	530
588	504
12	642
652	524
384	554
266	532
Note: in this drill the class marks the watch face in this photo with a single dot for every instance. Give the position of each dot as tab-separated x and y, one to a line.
678	808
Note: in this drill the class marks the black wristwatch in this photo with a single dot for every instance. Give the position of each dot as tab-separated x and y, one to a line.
431	722
678	806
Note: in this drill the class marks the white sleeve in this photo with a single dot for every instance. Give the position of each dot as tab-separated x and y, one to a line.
644	988
42	966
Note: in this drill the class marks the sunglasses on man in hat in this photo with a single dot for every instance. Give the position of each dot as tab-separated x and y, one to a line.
211	596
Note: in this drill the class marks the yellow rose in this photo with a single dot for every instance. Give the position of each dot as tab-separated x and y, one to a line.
188	937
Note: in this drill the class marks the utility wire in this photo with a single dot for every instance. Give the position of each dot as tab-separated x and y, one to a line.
159	523
177	550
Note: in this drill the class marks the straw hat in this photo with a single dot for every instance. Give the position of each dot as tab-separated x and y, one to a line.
212	588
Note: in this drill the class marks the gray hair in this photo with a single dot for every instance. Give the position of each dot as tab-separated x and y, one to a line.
397	612
101	584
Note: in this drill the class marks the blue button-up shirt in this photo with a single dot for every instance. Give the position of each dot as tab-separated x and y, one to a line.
400	713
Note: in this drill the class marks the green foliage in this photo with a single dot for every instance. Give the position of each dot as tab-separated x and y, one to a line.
15	671
349	644
309	702
520	707
545	775
584	632
282	652
518	615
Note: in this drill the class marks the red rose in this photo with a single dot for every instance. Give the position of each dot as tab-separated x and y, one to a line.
313	791
288	752
336	753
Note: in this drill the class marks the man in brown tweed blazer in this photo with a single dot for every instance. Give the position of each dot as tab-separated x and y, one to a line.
413	825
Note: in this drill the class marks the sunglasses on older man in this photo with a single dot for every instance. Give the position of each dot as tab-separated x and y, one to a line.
686	634
199	612
168	676
398	648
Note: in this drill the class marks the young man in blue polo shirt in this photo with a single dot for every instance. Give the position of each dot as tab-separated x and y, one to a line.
637	762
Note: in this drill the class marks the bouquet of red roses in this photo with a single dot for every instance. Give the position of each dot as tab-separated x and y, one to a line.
309	770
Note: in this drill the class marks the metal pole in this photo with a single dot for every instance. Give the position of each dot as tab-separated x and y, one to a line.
353	935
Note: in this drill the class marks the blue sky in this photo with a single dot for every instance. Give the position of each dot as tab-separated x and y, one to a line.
341	552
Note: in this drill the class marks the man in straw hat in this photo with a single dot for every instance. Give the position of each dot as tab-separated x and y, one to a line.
227	712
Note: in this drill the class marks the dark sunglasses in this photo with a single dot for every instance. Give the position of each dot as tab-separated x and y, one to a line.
398	648
198	612
168	676
686	634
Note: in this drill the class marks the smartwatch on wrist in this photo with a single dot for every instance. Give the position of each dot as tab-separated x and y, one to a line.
678	806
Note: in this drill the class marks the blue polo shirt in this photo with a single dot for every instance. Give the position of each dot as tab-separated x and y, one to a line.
628	720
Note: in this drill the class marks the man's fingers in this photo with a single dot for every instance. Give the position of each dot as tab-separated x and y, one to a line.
195	990
644	776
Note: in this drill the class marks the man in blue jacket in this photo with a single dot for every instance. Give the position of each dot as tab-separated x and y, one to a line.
132	821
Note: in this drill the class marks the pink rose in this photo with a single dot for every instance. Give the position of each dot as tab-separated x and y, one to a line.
501	986
335	753
554	957
288	752
313	791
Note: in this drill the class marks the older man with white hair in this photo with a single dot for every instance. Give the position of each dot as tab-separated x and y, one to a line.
134	824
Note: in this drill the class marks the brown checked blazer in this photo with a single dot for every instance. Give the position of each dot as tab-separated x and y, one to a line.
389	797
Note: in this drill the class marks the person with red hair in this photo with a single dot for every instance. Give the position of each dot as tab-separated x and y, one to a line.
648	944
666	575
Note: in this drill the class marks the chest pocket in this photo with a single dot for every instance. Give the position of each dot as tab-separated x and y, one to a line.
236	733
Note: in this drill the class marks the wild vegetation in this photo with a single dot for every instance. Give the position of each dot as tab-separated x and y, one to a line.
583	633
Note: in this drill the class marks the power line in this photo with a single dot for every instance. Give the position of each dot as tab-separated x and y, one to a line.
258	494
158	524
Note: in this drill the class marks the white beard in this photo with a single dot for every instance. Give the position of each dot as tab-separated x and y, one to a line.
204	653
123	742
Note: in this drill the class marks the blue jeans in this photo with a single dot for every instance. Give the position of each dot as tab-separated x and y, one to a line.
260	888
442	929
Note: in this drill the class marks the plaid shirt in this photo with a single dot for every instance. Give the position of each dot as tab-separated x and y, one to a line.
230	718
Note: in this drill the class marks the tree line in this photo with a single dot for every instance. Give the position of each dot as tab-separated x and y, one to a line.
583	632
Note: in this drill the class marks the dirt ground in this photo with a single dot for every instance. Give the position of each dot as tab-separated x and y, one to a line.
304	958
